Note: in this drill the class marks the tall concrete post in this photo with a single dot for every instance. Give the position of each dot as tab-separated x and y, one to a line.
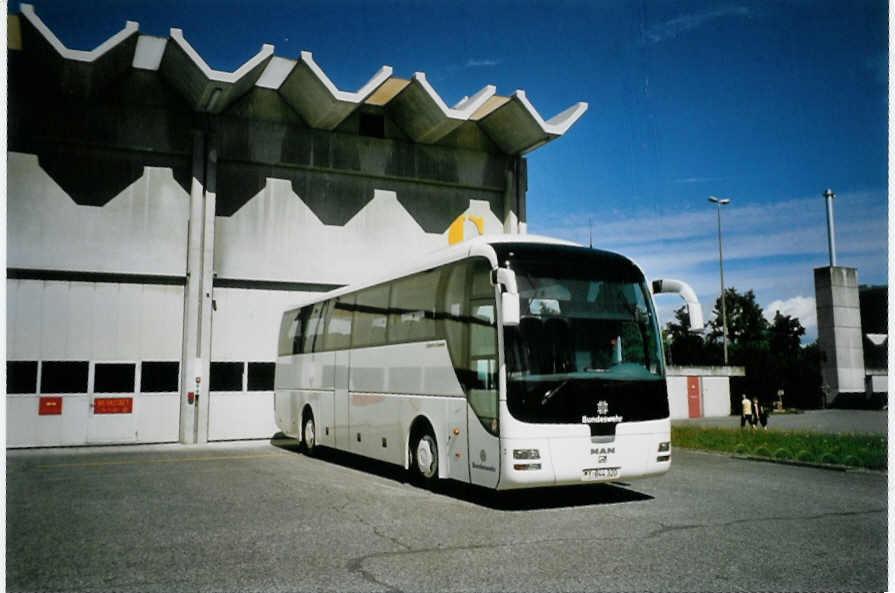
839	332
196	350
191	293
206	302
831	233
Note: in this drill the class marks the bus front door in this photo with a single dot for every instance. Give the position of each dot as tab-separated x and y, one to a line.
481	416
484	447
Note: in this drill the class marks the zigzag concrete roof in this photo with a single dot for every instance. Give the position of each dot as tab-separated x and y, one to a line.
511	122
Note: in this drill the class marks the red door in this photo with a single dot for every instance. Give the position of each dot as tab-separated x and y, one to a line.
693	395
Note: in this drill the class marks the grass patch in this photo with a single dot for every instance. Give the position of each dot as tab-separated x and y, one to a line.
855	450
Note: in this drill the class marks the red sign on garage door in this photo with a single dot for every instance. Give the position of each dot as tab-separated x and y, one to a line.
49	406
693	396
113	405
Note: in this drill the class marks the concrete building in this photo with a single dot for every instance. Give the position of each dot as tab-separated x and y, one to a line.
852	334
701	392
161	216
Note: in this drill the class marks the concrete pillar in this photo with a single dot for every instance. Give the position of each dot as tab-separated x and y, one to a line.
195	357
206	303
839	331
191	292
514	197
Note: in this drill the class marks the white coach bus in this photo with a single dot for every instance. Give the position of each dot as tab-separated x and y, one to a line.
503	361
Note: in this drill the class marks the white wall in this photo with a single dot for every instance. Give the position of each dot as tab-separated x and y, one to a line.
715	396
677	397
275	236
714	385
53	320
141	231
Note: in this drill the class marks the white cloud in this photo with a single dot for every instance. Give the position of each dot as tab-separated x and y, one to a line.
801	307
687	22
770	248
696	179
482	63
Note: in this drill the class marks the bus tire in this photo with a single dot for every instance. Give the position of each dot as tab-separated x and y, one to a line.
308	433
424	451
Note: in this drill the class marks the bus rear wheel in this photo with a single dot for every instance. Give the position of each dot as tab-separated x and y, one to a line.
308	434
425	458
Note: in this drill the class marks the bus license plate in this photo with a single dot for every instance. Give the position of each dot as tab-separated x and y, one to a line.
600	473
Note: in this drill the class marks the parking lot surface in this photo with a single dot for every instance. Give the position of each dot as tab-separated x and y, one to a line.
260	516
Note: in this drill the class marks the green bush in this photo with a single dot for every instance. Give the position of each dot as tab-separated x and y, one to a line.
762	451
856	450
828	458
783	454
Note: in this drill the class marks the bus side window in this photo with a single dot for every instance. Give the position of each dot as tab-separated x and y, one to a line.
338	325
314	327
302	318
370	317
453	309
412	311
287	333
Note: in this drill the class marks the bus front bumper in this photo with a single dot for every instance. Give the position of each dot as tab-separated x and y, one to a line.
634	452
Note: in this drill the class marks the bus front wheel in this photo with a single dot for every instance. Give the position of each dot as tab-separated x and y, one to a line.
308	434
425	458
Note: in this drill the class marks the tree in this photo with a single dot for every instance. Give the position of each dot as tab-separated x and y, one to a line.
685	347
784	341
771	353
745	320
785	336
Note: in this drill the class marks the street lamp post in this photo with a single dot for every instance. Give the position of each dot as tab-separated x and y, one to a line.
831	236
721	202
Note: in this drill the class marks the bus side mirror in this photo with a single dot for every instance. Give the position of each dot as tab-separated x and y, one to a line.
509	296
509	309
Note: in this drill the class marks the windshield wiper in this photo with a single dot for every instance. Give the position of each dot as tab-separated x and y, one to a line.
551	392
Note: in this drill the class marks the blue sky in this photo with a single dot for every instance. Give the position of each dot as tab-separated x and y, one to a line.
765	103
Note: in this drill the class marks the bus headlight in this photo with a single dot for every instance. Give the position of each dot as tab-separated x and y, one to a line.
666	446
526	454
526	466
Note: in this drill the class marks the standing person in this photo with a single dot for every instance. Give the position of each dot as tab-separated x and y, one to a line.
756	412
762	412
746	414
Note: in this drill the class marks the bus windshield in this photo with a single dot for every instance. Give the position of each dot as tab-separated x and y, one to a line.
587	340
576	327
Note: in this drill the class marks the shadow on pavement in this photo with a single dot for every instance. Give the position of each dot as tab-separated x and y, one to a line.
513	500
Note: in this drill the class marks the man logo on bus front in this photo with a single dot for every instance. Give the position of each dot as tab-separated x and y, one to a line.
602	407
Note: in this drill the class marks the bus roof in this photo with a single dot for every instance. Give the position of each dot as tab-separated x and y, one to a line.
478	246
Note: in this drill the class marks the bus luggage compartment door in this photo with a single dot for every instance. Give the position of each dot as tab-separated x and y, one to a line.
340	399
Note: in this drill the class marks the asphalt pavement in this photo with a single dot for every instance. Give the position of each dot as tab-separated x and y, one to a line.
260	516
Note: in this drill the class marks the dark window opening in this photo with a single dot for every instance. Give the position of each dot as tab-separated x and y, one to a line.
63	376
226	376
261	376
159	376
21	376
372	125
114	377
